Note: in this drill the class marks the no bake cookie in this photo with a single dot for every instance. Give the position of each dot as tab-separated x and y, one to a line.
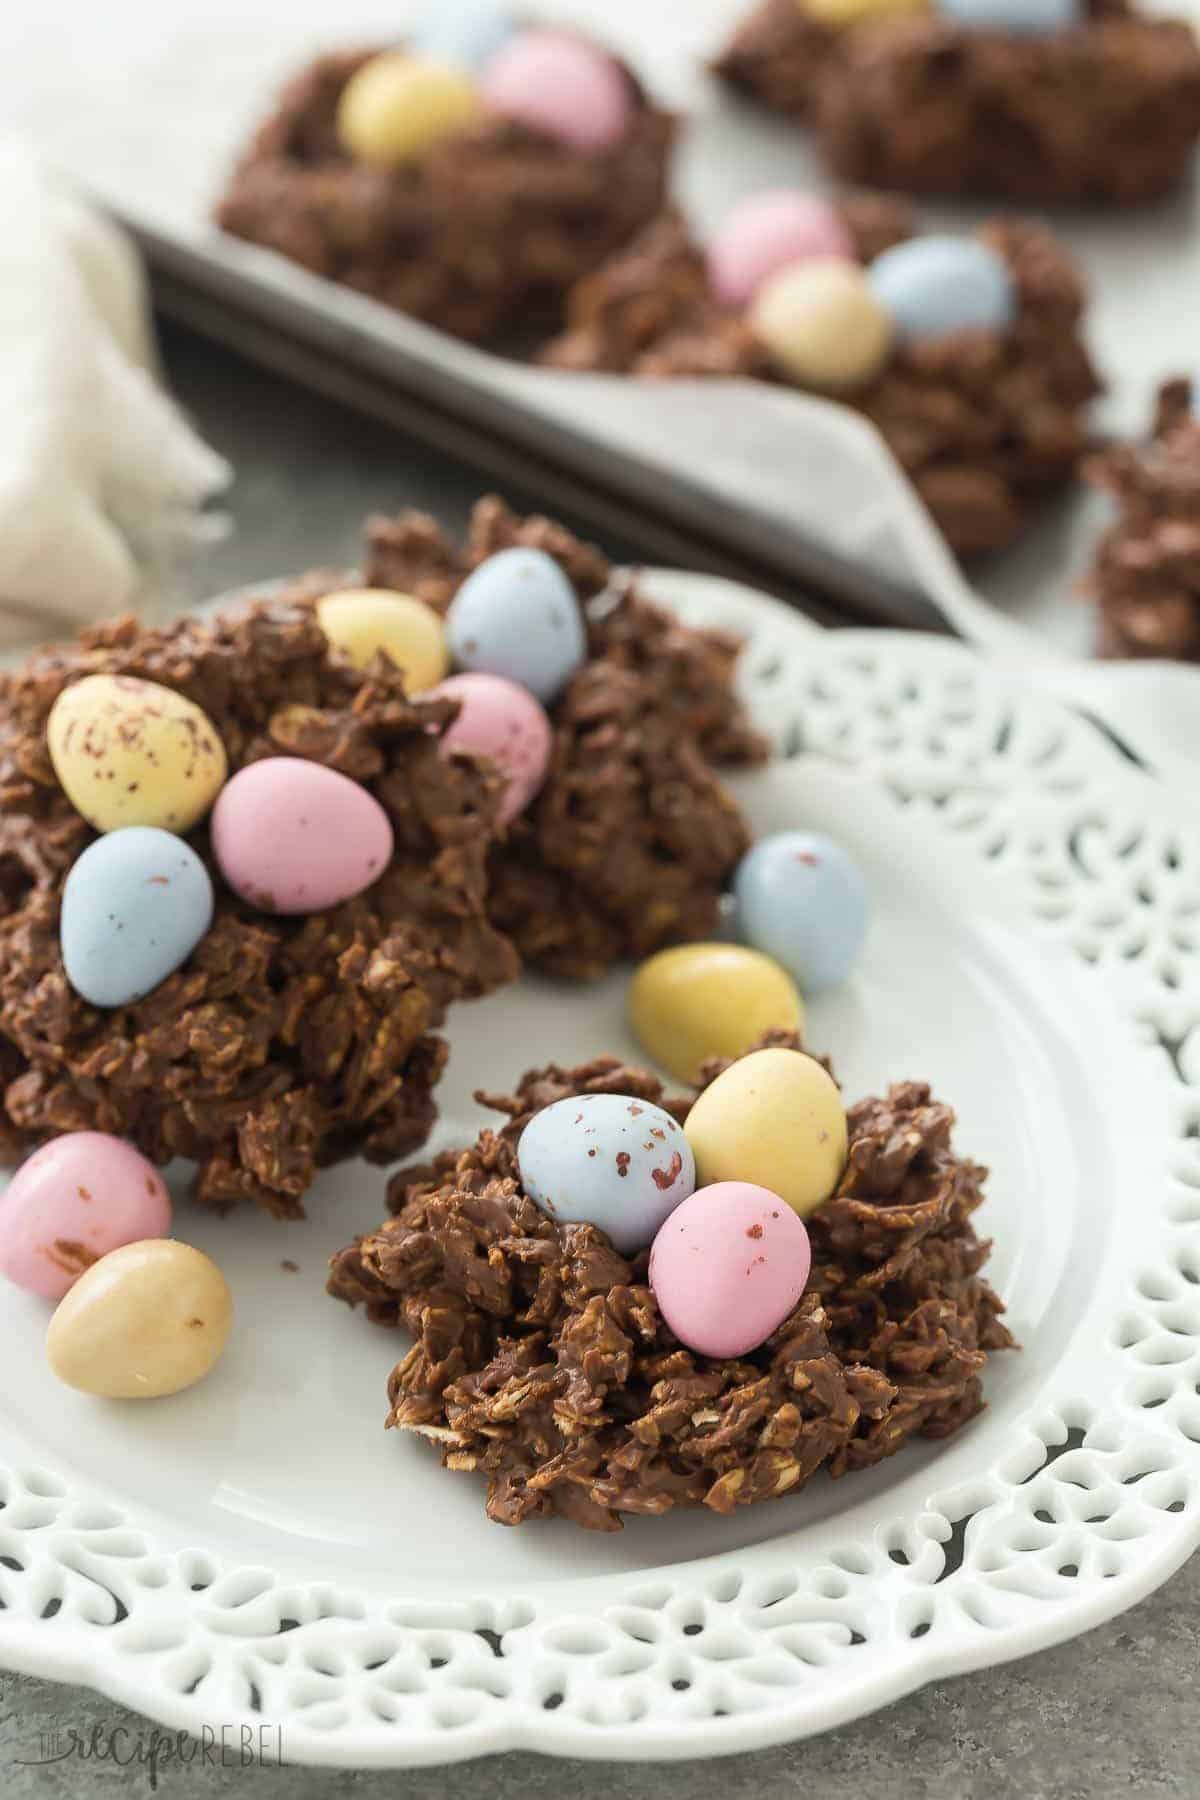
985	423
481	234
542	1364
1146	580
1105	108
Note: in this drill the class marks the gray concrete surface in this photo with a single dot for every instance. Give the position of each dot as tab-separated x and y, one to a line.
1114	1714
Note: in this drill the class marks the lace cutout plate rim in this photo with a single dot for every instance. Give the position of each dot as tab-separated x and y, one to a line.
1070	1499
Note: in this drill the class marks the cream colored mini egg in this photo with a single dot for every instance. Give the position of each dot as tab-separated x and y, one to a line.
702	1000
148	1319
774	1118
396	107
129	752
362	621
839	13
821	323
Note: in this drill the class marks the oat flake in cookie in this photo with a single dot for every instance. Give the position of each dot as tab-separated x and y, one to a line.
541	1362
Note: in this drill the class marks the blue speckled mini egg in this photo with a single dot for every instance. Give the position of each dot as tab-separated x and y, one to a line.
517	615
802	900
607	1160
468	33
1022	18
934	285
134	906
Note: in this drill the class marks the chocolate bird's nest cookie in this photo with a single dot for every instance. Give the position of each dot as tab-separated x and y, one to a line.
541	1363
1105	111
632	839
483	236
1146	578
282	1043
985	424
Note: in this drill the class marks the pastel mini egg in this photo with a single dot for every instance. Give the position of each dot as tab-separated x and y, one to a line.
839	13
465	33
728	1267
396	108
517	615
130	752
1019	18
697	1001
292	836
503	722
618	1163
561	85
766	232
802	900
362	621
931	286
147	1320
821	323
775	1117
73	1201
135	904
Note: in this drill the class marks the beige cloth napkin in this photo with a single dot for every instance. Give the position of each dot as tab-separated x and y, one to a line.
102	480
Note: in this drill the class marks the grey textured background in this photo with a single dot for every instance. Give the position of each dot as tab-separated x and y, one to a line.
1116	1713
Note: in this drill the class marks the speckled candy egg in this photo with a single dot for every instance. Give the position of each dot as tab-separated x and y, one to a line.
931	286
611	1161
820	322
150	1319
696	1001
291	836
561	85
776	1118
517	615
503	722
728	1267
1020	18
467	33
135	905
362	621
130	752
396	108
767	231
75	1200
802	900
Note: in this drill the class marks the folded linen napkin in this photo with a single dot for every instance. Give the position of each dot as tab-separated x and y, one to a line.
102	480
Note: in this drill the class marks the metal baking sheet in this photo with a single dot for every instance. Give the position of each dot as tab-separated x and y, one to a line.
146	105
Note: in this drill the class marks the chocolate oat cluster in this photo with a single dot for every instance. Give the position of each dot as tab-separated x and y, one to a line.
472	209
1029	100
1146	579
541	1360
986	420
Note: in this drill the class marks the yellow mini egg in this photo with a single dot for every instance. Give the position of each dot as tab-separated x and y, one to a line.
363	620
148	1319
703	1000
821	323
775	1119
130	752
396	107
839	13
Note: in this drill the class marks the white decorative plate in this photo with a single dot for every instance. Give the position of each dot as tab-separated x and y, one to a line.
260	1550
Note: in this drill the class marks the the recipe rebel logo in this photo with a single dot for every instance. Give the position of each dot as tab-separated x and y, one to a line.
240	1746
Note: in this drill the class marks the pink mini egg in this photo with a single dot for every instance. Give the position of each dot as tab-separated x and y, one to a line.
728	1266
561	85
766	232
292	836
73	1201
502	721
